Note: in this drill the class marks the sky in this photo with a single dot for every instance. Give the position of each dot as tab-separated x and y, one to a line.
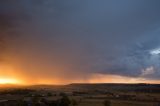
88	41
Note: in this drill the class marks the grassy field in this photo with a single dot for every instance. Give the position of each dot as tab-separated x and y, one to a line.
91	95
93	102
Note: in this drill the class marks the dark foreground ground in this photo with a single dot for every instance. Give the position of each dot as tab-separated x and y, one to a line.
82	95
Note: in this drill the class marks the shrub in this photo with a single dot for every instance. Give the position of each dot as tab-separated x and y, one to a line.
74	102
107	103
64	101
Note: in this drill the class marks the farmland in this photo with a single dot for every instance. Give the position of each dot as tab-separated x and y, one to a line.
83	95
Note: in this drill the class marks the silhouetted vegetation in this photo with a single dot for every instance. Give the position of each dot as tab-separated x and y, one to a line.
64	101
74	102
91	95
107	103
17	92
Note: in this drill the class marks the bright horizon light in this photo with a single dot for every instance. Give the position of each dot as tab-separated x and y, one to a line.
8	81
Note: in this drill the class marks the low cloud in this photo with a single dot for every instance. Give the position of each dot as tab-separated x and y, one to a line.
148	71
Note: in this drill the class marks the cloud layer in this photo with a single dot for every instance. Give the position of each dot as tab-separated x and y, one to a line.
74	39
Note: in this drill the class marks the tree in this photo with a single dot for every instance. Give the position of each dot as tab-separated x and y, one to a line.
64	101
107	103
74	102
35	101
49	94
21	102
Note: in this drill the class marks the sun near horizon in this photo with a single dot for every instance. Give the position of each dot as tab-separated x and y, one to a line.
9	81
12	76
98	78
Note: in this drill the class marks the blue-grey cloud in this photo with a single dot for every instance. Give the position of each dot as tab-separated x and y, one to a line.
85	36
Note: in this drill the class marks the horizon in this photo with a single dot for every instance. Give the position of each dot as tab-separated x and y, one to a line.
28	85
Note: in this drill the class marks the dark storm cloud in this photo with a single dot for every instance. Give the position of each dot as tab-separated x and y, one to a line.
5	25
11	13
85	36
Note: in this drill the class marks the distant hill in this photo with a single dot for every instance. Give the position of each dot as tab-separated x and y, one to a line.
141	87
10	86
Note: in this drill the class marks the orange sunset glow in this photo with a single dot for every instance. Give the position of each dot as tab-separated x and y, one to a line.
55	42
9	81
95	79
11	75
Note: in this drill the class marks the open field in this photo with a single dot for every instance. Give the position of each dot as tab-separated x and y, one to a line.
83	95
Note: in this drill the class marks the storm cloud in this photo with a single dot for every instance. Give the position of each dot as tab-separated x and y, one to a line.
72	39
